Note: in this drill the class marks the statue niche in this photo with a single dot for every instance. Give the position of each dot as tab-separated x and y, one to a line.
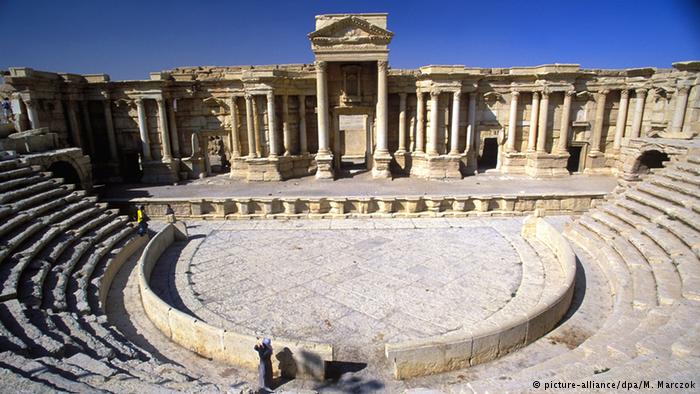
351	85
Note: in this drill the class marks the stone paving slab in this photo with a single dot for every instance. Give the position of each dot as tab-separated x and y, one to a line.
354	283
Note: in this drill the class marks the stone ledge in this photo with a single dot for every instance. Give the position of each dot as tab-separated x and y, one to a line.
496	337
293	358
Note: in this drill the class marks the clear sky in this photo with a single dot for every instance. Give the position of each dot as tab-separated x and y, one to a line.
127	39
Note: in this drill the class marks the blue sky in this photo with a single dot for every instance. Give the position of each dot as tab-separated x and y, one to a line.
128	39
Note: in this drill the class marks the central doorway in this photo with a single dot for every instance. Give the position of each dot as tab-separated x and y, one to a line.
353	143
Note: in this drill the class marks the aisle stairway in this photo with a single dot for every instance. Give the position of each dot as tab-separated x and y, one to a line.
56	243
646	240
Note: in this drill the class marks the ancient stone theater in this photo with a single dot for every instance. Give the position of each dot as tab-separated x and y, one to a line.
445	228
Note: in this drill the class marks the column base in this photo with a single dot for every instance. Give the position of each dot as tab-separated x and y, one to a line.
263	169
436	167
380	169
469	165
676	135
597	164
514	163
194	167
547	165
402	161
324	166
161	171
239	168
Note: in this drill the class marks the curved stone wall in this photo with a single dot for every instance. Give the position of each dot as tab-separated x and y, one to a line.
496	337
291	358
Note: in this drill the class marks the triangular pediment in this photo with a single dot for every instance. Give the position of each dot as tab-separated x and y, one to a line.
351	29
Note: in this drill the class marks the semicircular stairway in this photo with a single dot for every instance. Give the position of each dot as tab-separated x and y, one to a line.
57	246
646	241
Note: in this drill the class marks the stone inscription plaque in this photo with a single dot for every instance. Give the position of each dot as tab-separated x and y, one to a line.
351	122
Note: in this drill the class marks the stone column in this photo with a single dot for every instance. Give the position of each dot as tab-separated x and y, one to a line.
111	138
454	137
599	120
621	119
87	125
249	125
163	126
512	119
434	119
235	137
534	116
259	151
303	145
172	126
638	112
143	130
402	123
74	125
322	104
272	124
471	126
286	133
382	109
32	113
420	123
564	126
679	112
542	123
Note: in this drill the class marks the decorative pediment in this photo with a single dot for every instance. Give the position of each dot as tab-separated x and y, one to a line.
351	30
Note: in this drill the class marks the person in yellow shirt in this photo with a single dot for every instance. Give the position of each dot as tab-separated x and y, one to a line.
142	220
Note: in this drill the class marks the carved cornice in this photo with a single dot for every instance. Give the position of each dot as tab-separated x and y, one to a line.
382	65
377	35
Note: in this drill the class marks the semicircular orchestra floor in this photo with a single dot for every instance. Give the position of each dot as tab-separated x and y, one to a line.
355	283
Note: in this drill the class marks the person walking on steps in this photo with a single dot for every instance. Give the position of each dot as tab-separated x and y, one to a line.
6	110
141	220
264	350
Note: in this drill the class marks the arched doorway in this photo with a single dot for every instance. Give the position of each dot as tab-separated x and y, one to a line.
62	169
648	160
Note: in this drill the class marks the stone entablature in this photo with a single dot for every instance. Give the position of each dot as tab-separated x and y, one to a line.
438	121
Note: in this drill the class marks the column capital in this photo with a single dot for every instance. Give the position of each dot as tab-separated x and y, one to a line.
159	101
402	95
434	93
683	89
457	94
382	65
535	95
604	92
472	95
248	96
29	103
321	65
106	95
570	92
641	92
624	93
545	93
138	101
270	95
514	93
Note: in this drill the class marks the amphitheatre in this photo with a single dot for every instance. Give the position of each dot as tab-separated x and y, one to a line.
440	229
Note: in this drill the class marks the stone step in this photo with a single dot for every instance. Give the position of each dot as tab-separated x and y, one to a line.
10	224
74	228
16	173
21	182
624	215
40	198
34	188
689	271
51	375
9	341
681	231
688	345
680	187
683	177
9	245
12	314
11	164
685	215
688	167
674	197
68	324
661	341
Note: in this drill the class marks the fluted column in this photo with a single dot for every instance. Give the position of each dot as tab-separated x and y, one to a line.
250	128
259	138
303	144
402	123
638	112
32	113
534	116
621	119
74	125
454	137
109	122
163	128
434	118
382	108
143	130
272	124
512	119
471	125
420	122
286	133
235	137
542	123
87	125
172	126
322	105
564	126
679	112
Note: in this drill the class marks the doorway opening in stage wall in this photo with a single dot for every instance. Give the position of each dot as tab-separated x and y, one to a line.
576	158
352	146
489	155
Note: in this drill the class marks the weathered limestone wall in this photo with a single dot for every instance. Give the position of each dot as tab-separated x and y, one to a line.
597	110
